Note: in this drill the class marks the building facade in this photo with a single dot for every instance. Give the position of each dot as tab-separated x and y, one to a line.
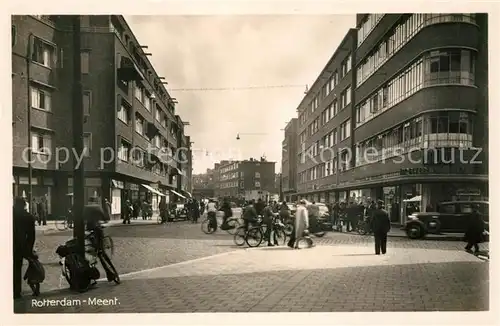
289	160
419	115
244	179
204	184
128	114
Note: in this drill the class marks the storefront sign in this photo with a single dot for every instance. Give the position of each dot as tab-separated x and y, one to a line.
48	181
132	186
92	182
25	181
468	192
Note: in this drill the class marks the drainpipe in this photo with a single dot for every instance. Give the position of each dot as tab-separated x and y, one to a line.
28	93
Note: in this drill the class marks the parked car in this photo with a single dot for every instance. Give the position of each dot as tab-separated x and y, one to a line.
181	212
323	209
450	217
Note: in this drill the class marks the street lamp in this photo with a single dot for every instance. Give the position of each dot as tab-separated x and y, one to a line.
249	134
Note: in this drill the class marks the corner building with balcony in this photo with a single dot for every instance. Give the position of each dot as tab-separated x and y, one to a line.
420	113
126	110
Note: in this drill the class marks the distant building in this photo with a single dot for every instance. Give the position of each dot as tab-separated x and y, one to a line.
204	184
237	178
289	161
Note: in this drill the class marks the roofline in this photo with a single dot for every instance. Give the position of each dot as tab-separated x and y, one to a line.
330	61
145	57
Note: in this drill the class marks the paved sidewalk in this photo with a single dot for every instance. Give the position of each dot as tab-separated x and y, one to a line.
278	279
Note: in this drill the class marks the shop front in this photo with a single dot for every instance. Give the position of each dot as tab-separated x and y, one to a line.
42	189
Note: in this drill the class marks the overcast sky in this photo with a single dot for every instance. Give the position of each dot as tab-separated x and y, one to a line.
194	52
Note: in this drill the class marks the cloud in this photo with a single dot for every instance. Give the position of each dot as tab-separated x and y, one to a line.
239	51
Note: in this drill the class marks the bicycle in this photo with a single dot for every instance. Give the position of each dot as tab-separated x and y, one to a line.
95	254
363	227
64	223
232	224
257	233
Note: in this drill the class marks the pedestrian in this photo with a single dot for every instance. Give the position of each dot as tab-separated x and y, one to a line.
162	206
301	224
267	220
107	208
45	210
351	212
474	232
23	241
381	225
34	211
127	212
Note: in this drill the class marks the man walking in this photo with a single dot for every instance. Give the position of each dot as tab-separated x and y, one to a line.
23	241
381	225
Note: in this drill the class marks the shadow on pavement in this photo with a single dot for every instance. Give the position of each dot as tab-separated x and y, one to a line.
457	286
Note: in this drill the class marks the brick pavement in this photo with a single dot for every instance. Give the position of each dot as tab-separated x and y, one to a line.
324	278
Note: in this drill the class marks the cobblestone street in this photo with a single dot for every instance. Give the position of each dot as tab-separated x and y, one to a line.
206	273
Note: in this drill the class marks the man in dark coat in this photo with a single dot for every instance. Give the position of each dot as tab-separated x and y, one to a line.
259	206
23	241
474	231
381	225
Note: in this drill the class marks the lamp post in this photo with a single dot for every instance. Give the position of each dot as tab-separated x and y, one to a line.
78	175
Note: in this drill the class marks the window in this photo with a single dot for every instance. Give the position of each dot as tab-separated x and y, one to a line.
345	130
345	66
85	58
87	102
124	113
139	124
13	35
157	141
157	114
138	92
123	150
147	100
41	99
87	144
257	184
41	143
447	209
43	53
345	97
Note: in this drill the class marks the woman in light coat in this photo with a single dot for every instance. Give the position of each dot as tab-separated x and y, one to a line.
301	219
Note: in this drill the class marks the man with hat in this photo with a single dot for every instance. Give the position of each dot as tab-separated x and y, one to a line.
380	225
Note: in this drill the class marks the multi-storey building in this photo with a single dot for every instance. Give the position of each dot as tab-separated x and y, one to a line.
248	178
324	122
126	107
204	184
289	161
420	116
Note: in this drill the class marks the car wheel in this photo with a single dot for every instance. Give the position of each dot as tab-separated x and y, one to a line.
414	231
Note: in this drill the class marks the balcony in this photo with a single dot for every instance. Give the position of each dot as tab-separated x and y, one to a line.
129	71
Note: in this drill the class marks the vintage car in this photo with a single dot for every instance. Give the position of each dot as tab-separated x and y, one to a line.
450	217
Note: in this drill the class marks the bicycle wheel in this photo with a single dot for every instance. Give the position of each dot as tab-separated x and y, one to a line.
61	225
109	267
108	245
206	228
239	236
254	237
288	229
280	237
233	225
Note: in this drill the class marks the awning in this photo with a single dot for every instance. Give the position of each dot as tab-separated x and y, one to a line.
178	194
153	190
413	199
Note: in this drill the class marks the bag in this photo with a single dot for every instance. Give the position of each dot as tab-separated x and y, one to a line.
80	272
35	273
